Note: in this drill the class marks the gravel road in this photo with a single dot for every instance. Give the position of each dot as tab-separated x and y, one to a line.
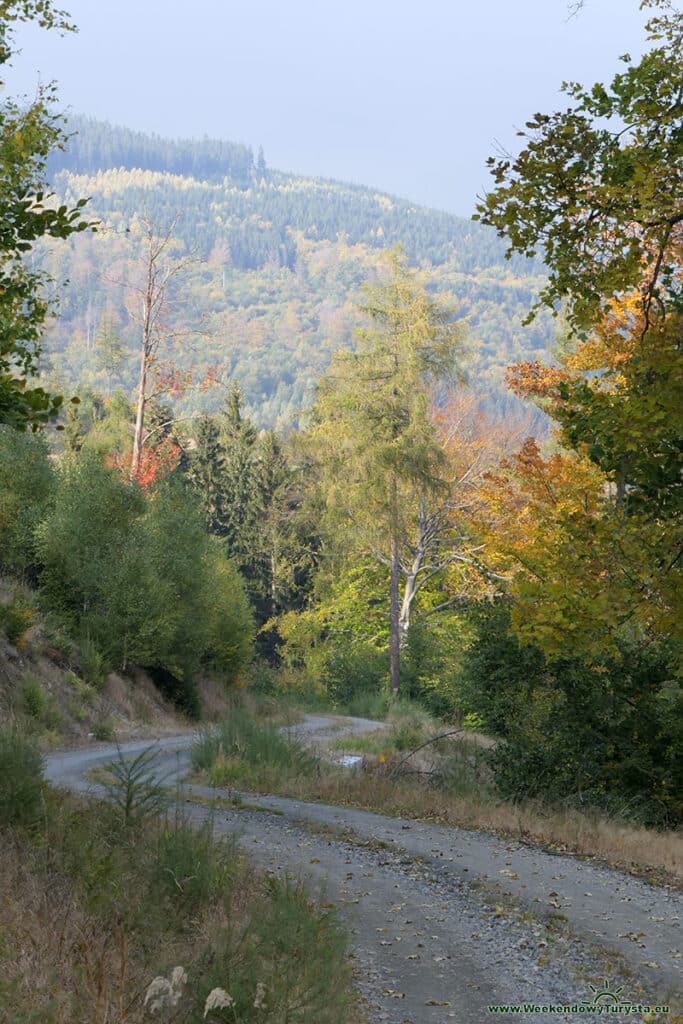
446	922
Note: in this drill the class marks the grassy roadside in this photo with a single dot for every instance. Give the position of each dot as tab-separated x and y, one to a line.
243	753
122	911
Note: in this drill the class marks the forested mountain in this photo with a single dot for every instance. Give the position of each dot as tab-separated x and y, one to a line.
277	263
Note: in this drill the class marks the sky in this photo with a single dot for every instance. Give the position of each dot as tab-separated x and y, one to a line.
407	96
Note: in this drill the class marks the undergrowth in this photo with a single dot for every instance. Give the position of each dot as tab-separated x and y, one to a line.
246	752
102	909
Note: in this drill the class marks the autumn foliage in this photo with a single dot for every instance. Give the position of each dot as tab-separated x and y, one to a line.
155	464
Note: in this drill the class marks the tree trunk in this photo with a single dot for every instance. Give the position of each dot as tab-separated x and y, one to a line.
406	605
139	416
394	624
153	291
394	616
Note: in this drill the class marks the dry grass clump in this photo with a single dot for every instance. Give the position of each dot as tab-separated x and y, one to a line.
59	965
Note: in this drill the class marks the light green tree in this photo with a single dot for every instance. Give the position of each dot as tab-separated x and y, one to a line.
376	443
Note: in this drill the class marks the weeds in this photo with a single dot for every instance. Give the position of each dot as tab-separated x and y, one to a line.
246	752
97	919
21	779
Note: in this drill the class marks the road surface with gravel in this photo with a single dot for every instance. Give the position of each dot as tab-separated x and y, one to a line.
447	922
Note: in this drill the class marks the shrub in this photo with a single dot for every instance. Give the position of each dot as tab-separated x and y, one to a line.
369	705
16	618
190	867
607	734
34	697
354	670
94	665
139	578
262	678
84	690
26	488
429	669
21	779
95	579
293	953
103	731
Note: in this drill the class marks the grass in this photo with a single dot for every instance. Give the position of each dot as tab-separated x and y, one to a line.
460	793
245	752
97	904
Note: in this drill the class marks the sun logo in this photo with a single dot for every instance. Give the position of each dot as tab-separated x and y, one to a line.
607	992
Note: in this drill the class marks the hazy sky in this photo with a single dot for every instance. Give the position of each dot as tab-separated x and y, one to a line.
410	97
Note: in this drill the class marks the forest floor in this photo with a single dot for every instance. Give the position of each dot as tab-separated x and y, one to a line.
445	922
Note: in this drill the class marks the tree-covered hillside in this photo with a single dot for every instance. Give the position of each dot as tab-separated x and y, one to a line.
277	266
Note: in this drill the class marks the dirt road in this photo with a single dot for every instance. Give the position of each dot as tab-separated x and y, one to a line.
447	922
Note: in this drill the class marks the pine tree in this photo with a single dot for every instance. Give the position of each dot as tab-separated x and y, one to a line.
204	467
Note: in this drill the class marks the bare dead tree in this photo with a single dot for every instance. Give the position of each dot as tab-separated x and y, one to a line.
148	307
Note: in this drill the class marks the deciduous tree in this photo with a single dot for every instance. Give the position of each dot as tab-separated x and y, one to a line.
28	213
377	444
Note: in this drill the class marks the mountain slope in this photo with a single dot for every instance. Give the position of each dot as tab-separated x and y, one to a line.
281	262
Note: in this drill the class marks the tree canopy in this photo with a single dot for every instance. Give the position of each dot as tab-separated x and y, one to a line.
28	133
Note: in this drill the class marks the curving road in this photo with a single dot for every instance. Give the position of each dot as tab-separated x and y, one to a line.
446	921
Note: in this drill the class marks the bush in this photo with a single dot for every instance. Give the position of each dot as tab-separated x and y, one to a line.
140	578
369	705
34	697
96	579
430	663
354	670
608	734
103	731
94	665
295	950
26	488
190	868
21	779
16	618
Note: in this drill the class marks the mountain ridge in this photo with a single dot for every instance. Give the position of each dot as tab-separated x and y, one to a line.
283	260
